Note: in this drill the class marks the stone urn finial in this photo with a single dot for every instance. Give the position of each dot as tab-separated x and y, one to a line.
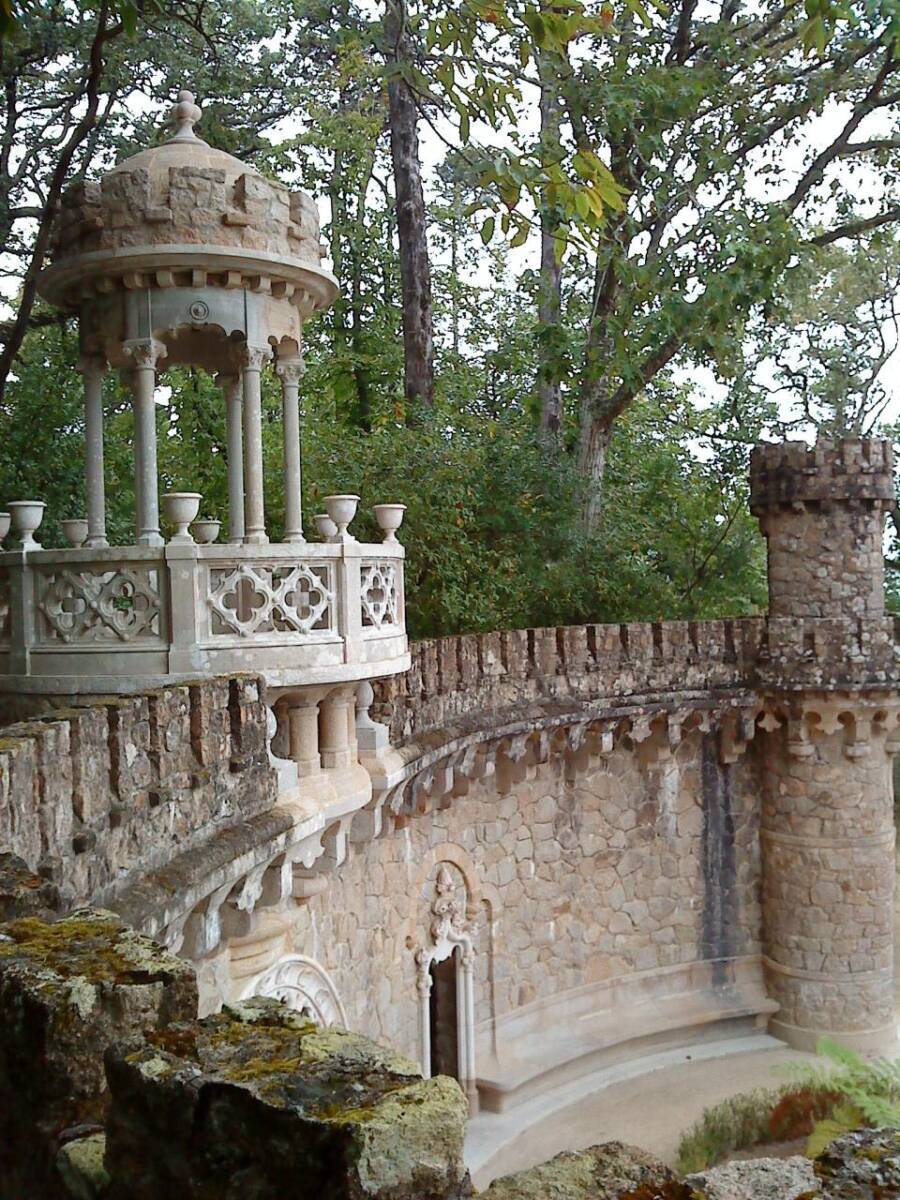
185	115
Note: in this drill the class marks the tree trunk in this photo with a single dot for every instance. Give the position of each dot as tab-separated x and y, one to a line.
549	384
336	233
415	267
363	411
596	413
592	453
75	138
454	264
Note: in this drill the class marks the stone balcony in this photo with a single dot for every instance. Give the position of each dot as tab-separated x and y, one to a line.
124	619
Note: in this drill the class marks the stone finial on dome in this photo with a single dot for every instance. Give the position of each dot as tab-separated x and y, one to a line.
185	115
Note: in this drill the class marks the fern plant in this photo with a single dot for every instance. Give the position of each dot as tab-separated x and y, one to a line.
866	1093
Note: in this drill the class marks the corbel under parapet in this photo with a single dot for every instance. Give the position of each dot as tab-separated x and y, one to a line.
862	720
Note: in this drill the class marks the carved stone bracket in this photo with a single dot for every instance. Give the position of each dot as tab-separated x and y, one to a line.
863	719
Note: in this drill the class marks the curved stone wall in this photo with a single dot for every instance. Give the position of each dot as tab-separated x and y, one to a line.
568	830
587	867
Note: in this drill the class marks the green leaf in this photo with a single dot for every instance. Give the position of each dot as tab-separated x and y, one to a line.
845	1118
487	230
639	11
520	237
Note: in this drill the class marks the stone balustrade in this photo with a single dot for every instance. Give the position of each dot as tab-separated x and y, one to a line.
125	619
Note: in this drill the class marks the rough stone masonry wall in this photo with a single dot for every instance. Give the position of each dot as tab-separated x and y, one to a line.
828	886
821	511
90	796
456	682
827	818
479	676
626	864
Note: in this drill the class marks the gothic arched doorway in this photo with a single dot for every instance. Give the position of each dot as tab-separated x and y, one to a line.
446	989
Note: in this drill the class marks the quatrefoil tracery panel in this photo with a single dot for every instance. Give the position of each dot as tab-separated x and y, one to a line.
268	598
99	606
378	594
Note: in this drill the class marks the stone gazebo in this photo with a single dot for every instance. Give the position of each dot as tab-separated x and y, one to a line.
183	254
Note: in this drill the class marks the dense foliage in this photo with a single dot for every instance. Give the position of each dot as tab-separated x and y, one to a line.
836	1094
700	250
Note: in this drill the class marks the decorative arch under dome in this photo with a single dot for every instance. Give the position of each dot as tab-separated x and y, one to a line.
303	985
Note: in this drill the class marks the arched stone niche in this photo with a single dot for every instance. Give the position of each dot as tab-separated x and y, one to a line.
450	939
304	986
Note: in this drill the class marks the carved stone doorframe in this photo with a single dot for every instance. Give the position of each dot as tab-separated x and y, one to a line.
449	932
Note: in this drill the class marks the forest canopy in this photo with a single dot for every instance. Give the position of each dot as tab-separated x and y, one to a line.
588	254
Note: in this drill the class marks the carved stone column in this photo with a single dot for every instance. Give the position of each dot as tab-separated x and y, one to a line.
303	724
93	370
254	498
336	712
289	371
234	436
145	354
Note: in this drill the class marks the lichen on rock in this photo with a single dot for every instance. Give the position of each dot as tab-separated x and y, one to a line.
860	1166
258	1102
612	1171
81	1168
68	990
756	1179
24	893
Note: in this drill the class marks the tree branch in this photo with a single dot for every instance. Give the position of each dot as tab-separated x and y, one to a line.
855	228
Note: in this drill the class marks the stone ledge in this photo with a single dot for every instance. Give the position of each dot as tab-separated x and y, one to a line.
260	1095
564	1037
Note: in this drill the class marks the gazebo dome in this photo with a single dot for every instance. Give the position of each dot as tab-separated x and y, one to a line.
184	149
185	214
184	255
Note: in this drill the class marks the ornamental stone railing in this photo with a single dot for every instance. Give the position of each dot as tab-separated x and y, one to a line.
124	619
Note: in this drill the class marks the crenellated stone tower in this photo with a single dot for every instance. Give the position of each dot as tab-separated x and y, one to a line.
829	676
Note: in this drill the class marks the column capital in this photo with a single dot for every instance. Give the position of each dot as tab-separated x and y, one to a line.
290	370
145	352
254	358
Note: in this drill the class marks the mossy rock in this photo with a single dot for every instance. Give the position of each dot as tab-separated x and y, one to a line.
256	1102
68	990
860	1166
81	1167
23	893
612	1171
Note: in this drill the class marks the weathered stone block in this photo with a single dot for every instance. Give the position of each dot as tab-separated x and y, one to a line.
257	1102
860	1165
756	1179
24	894
80	1165
67	991
608	1172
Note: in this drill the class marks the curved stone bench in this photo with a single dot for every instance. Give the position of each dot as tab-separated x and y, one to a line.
561	1039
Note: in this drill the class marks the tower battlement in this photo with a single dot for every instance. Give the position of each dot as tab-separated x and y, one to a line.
853	469
822	511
